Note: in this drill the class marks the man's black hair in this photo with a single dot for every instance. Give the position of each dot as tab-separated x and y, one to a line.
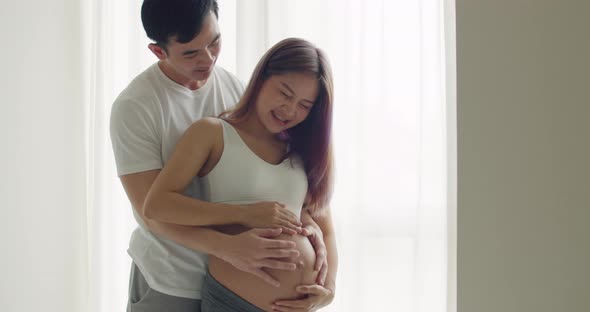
182	19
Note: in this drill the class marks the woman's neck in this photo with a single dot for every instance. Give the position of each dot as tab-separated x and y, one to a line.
252	125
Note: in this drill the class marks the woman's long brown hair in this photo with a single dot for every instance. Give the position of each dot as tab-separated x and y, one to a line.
312	138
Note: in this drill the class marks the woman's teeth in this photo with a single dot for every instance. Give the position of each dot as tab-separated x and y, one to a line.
279	118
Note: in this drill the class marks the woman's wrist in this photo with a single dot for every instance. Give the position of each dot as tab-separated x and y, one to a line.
233	214
240	214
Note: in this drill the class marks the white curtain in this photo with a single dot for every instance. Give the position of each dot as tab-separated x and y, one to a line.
391	137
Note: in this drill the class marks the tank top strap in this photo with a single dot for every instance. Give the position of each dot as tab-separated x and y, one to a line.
230	135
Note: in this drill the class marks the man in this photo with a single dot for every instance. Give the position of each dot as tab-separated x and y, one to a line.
147	119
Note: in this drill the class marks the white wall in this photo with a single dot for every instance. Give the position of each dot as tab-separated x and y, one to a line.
43	184
523	155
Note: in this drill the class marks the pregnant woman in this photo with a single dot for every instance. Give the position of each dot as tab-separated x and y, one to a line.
261	164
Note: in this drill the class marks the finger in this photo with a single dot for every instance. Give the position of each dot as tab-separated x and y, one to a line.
268	232
320	259
280	253
277	244
279	265
266	277
318	262
321	254
285	223
305	231
291	216
310	289
287	309
322	275
289	231
295	220
297	304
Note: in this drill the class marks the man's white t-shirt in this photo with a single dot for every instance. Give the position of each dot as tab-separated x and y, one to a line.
147	120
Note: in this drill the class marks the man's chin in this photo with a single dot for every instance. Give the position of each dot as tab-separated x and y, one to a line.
201	76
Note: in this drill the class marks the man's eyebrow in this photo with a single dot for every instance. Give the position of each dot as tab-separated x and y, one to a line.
187	52
291	90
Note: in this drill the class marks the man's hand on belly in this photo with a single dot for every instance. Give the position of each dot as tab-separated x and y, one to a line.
255	249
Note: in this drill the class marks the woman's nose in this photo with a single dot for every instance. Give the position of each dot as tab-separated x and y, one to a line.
288	108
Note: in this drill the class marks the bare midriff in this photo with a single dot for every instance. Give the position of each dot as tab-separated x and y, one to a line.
258	292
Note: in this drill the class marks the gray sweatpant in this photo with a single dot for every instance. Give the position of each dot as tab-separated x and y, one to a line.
217	298
142	298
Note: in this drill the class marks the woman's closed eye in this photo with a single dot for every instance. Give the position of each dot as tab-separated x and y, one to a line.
304	106
285	95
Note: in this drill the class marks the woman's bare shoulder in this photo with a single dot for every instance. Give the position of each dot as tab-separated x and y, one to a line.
205	127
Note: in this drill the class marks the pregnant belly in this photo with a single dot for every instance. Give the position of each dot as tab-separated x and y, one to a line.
261	294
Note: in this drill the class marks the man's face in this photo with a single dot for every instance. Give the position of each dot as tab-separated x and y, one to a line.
194	60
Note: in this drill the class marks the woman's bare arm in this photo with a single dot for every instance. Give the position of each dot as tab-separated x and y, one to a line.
327	226
165	201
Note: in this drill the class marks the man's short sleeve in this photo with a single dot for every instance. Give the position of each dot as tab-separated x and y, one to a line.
135	136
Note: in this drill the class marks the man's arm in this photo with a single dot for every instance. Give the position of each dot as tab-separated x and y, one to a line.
137	185
249	251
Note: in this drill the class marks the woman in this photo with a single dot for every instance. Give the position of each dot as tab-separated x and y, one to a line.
273	150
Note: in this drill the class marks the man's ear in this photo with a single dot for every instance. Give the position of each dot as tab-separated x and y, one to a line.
158	51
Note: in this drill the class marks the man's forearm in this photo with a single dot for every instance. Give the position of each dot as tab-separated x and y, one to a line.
193	237
202	239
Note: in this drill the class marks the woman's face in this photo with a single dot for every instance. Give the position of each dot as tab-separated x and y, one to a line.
285	100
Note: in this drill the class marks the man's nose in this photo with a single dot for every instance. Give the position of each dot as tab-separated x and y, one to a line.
209	57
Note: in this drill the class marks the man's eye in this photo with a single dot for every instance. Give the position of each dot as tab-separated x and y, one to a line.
285	94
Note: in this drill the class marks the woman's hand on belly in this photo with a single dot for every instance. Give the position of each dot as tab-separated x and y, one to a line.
316	238
258	292
255	249
315	297
270	214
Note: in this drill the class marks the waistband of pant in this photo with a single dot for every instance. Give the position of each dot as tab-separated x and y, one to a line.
215	291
